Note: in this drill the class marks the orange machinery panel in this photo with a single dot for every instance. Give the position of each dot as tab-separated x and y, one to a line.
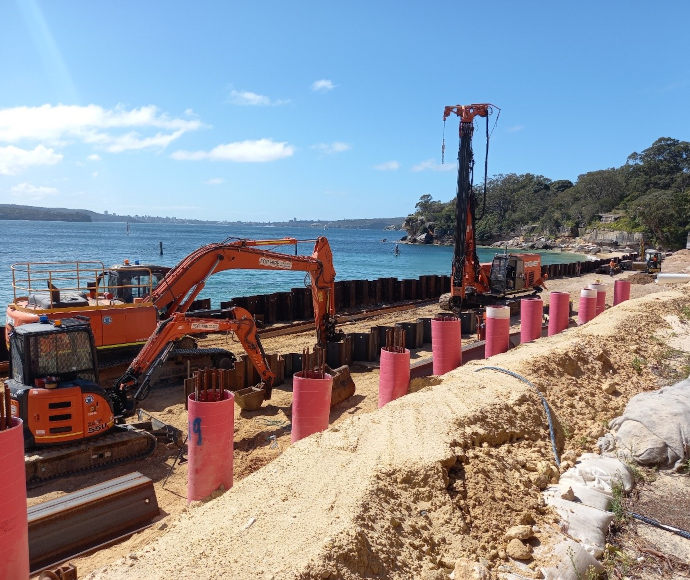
532	268
67	414
126	325
115	326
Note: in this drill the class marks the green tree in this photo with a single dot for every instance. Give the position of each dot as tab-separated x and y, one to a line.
596	192
664	166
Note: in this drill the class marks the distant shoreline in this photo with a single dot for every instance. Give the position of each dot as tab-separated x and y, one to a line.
13	212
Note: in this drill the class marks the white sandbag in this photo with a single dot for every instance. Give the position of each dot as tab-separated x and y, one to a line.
573	562
654	429
598	472
596	498
586	524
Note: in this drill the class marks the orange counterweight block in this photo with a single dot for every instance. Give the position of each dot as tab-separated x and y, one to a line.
69	412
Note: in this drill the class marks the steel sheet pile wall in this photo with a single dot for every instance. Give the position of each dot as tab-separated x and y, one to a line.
356	294
364	294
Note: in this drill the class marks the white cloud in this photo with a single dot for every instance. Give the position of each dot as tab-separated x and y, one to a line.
247	98
322	86
94	174
94	157
387	166
258	151
133	141
515	128
14	159
330	148
92	124
214	181
431	165
32	193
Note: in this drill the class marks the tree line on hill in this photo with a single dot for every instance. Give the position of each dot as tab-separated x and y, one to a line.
28	212
650	193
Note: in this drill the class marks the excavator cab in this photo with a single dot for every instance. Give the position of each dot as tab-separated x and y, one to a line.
502	277
507	274
54	383
128	283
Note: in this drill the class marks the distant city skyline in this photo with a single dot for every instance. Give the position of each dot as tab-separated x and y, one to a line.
269	111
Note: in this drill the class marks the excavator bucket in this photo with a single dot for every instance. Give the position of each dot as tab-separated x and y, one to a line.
250	398
343	385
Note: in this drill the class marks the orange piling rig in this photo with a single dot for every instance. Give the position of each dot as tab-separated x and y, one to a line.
471	282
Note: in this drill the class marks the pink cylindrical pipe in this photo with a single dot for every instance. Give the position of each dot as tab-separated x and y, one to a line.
14	525
394	375
588	305
559	312
531	314
446	344
497	330
311	403
601	297
210	443
621	291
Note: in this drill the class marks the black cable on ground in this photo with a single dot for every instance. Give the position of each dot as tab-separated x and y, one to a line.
543	400
651	522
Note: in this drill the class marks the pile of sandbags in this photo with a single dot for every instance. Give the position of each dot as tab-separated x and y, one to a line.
654	429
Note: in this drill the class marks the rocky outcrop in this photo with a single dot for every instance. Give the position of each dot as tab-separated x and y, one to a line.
574	245
425	238
613	237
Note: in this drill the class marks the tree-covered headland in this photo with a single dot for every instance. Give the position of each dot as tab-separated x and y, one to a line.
649	194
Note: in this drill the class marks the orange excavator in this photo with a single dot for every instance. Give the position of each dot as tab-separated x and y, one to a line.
474	284
161	342
54	375
54	389
124	304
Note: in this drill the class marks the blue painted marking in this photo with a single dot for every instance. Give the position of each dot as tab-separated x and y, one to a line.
196	429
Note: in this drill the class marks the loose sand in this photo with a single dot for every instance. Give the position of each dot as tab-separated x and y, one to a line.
407	490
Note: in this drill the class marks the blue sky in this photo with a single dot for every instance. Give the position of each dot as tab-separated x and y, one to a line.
271	110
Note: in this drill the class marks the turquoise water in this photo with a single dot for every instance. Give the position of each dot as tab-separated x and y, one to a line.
357	254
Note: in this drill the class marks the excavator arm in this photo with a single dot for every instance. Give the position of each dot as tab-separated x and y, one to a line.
134	385
183	283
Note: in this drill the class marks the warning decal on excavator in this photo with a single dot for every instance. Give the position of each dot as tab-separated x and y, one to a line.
205	325
275	263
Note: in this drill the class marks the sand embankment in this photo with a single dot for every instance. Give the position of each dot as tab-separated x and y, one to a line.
438	475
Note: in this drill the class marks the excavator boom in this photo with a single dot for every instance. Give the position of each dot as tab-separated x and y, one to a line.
134	385
180	287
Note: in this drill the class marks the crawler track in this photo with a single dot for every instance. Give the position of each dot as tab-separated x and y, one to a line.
119	446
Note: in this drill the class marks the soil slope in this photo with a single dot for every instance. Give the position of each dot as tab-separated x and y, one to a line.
435	476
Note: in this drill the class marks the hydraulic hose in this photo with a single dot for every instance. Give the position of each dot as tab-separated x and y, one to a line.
543	400
652	522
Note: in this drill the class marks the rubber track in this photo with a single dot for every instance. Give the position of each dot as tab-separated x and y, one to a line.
73	451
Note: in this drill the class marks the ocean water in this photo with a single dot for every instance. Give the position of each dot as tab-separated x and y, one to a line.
357	254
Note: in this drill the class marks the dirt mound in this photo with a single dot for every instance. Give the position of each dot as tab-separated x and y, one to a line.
678	262
433	477
641	278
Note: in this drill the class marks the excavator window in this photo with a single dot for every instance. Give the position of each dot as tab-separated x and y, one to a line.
67	355
500	274
128	284
17	358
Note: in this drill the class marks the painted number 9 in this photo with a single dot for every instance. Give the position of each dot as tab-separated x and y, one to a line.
196	429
